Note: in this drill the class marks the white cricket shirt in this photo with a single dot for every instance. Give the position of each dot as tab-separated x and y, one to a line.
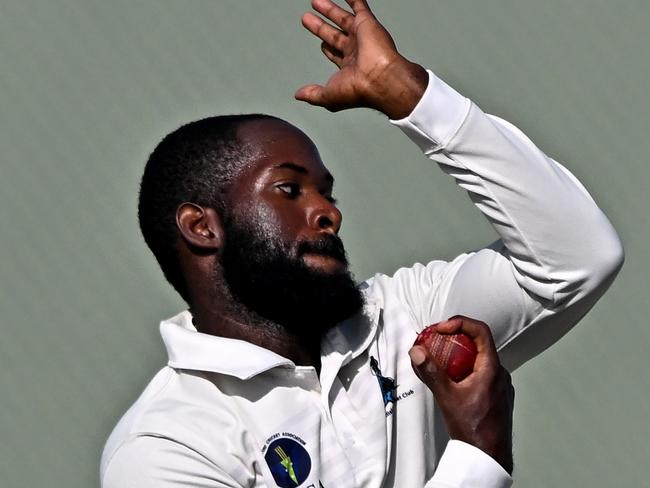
226	413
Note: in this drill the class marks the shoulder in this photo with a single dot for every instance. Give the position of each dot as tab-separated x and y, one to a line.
152	461
180	421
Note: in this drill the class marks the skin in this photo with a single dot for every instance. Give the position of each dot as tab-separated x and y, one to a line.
372	73
477	410
288	189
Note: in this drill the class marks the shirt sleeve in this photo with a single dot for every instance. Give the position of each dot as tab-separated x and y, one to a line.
557	252
147	461
465	466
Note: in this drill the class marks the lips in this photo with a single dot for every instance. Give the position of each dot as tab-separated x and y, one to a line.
329	247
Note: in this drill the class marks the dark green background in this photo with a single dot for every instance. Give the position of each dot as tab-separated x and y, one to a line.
88	87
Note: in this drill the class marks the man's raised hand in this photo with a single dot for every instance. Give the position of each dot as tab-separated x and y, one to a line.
372	73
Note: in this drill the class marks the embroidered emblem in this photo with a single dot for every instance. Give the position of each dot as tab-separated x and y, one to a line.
386	384
288	460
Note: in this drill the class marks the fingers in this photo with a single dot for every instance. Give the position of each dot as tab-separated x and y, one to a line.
477	330
332	54
324	31
358	5
425	369
341	17
487	359
451	326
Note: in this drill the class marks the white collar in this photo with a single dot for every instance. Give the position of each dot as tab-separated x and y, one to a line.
189	349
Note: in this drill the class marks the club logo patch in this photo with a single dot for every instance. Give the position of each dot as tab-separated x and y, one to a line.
386	384
288	460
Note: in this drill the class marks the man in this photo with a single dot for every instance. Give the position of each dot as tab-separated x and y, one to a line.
282	373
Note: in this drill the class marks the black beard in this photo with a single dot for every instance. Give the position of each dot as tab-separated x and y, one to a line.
265	275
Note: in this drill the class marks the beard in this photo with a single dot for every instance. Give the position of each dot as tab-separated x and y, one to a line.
270	278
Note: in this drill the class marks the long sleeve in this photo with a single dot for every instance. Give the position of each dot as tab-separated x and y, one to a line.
465	466
557	254
153	461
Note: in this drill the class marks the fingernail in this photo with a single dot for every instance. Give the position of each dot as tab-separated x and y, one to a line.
417	355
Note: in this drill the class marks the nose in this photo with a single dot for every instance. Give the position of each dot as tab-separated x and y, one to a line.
324	216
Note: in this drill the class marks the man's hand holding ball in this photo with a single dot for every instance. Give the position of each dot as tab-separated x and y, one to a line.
476	401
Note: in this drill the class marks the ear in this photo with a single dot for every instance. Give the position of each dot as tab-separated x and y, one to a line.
199	226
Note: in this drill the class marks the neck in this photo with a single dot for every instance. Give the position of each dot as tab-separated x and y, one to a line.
221	315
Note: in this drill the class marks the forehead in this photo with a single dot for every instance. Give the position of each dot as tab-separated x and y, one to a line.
272	142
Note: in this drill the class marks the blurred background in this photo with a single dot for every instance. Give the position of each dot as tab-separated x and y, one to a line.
87	89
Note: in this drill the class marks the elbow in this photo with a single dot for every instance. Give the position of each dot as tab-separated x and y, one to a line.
617	258
608	261
603	261
594	270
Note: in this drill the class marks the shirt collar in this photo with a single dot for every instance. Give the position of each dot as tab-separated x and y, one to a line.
189	349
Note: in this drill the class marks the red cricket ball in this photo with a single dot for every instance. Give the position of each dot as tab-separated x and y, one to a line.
455	353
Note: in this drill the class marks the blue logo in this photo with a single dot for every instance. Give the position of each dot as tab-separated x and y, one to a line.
289	462
386	384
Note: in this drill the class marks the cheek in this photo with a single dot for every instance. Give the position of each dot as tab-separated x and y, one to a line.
274	223
286	214
269	223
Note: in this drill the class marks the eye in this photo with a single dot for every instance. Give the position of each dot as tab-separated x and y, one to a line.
291	189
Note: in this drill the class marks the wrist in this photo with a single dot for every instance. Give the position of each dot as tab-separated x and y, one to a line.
399	88
503	456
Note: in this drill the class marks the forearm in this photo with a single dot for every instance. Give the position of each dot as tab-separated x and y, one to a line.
558	253
558	241
555	234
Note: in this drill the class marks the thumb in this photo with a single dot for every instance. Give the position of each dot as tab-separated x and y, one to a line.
427	370
312	94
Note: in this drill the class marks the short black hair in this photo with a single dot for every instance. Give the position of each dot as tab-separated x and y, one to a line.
195	163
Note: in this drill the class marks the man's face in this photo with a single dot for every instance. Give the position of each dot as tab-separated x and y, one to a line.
282	257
